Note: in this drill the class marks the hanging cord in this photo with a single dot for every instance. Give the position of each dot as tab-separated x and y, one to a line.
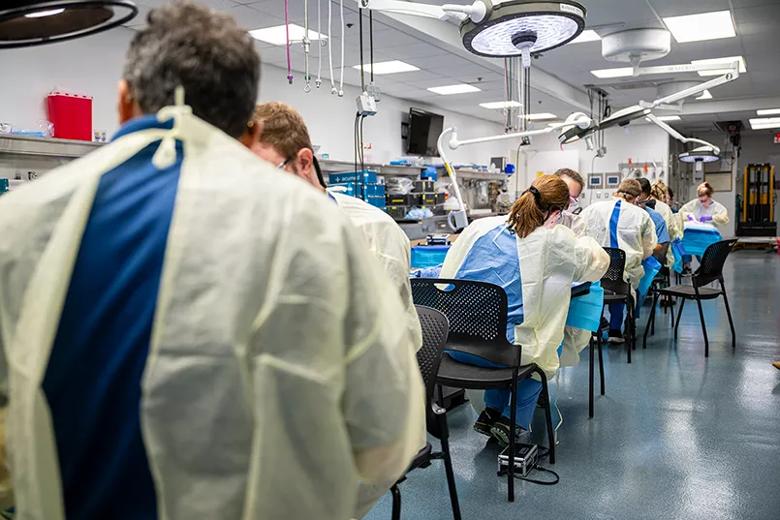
341	78
306	48
330	49
287	38
320	42
362	61
371	42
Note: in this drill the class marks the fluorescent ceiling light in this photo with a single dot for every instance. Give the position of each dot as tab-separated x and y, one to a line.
619	72
668	118
461	88
544	116
700	27
588	35
768	111
704	95
277	35
764	123
495	105
42	14
388	67
726	64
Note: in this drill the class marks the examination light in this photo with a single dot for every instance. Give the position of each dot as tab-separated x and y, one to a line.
510	28
28	23
703	154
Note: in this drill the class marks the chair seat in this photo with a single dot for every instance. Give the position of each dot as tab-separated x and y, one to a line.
613	298
687	291
422	459
461	375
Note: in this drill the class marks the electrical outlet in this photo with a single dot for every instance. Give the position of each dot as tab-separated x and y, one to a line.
366	104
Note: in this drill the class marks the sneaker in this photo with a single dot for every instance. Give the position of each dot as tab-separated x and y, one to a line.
500	432
485	421
615	336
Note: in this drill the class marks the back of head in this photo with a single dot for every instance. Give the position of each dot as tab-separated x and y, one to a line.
205	52
572	174
659	191
629	190
704	189
281	126
548	193
644	184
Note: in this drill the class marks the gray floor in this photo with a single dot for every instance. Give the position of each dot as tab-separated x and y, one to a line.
676	436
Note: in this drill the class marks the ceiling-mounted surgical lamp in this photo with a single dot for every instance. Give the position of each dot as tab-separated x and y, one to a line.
448	140
708	152
501	30
28	23
644	108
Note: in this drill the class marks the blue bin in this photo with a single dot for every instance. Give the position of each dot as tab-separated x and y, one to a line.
428	256
585	311
696	241
366	176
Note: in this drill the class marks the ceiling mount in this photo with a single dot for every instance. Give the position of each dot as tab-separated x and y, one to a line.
28	23
636	45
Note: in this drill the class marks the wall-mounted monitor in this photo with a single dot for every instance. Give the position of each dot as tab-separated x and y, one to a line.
424	130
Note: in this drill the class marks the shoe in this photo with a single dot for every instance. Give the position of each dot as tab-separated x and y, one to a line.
500	432
486	420
615	336
776	364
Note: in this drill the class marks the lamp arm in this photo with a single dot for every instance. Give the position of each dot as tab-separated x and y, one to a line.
476	11
677	135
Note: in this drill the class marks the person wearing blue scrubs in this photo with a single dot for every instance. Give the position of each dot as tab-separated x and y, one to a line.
535	261
645	201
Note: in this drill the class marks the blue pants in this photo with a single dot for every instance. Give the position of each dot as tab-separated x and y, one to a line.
528	391
616	316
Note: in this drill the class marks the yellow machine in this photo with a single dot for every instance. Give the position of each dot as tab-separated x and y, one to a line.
757	212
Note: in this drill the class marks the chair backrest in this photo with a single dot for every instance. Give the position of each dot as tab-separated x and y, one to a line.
435	328
477	312
712	261
613	279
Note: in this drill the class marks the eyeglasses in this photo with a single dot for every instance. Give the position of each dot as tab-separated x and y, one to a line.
282	164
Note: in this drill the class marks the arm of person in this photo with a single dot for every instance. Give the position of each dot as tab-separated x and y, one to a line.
686	212
662	238
648	238
384	398
590	259
721	217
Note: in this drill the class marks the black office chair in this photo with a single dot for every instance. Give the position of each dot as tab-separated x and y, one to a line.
661	281
617	290
595	343
710	270
477	312
435	328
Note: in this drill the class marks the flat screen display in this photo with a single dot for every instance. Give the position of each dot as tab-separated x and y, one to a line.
424	130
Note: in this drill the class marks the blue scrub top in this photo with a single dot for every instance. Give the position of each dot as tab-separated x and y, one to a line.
93	379
661	231
494	259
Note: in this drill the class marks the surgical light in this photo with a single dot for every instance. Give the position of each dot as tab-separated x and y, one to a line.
703	154
513	26
503	29
28	23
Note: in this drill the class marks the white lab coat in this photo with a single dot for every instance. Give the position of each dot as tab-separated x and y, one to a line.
551	259
635	233
390	245
303	385
716	210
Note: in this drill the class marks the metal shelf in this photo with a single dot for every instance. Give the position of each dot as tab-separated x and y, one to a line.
478	175
381	169
39	147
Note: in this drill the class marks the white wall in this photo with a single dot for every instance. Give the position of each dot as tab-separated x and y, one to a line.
93	65
638	142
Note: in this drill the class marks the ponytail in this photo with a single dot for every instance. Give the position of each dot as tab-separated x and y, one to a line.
547	194
526	215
